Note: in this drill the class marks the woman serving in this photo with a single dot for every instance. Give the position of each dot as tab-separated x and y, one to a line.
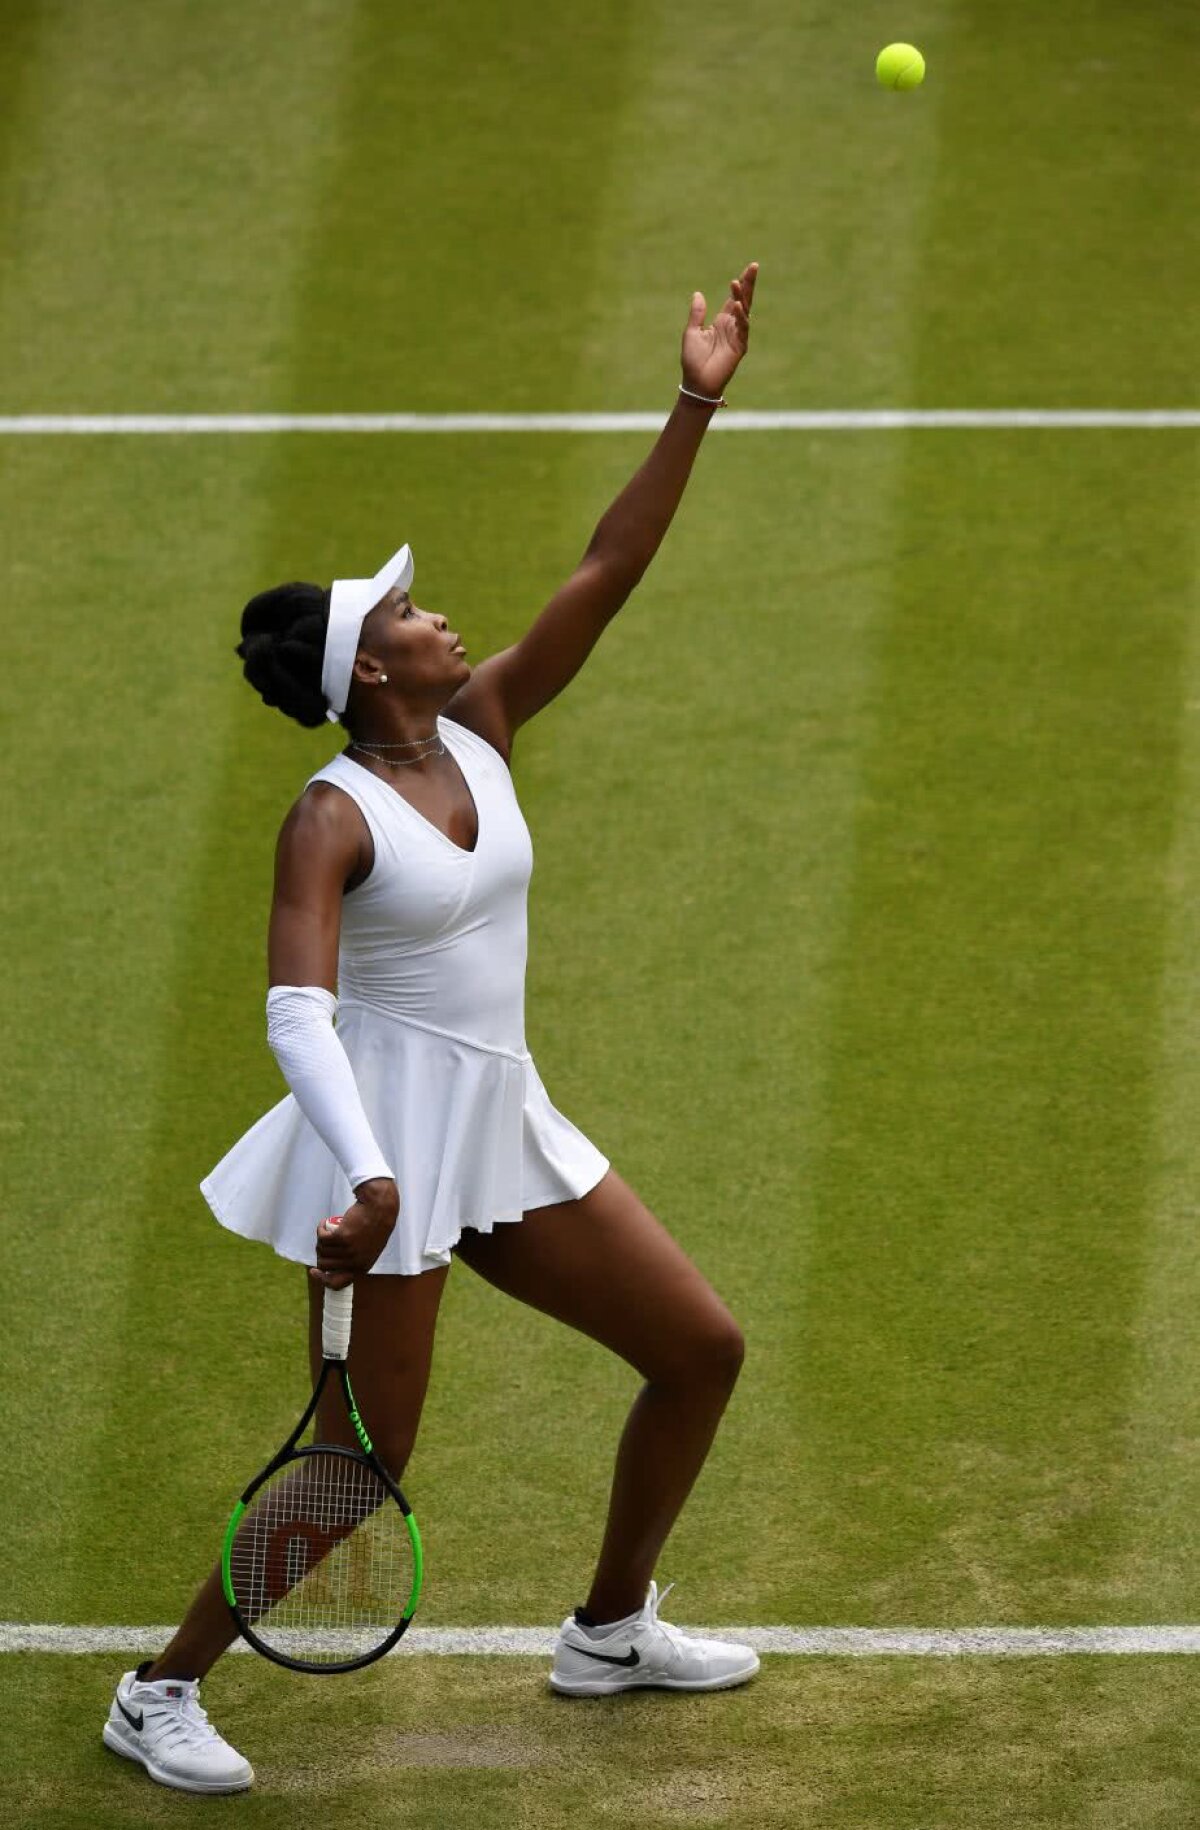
401	879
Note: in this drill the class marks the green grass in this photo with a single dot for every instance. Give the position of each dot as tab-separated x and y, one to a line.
861	923
1050	1744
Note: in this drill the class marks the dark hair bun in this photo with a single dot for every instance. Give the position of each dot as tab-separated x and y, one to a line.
283	647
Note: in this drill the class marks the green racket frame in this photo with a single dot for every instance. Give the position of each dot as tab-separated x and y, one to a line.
335	1345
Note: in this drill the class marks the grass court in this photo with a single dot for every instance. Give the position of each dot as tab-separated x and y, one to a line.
864	921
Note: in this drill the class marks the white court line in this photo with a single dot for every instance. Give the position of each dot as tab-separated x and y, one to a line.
883	420
811	1642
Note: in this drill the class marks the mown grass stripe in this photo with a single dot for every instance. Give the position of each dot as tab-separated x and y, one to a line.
877	420
133	527
796	1642
962	1371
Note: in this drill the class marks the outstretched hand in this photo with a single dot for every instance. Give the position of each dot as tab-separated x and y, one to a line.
711	352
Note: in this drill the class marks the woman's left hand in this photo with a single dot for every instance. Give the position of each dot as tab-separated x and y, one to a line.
712	352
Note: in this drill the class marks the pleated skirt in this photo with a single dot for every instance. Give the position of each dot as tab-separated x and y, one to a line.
469	1130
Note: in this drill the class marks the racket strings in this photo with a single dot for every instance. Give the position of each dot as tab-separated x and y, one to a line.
322	1555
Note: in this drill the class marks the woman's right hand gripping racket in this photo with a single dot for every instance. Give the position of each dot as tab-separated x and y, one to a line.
322	1559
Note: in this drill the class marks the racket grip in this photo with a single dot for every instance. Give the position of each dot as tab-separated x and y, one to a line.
335	1323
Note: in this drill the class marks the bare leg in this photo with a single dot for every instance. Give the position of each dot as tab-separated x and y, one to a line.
606	1266
391	1349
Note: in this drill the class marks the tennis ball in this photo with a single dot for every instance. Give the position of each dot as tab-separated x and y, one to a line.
900	66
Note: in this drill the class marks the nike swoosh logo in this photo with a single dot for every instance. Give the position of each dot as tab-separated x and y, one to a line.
133	1721
629	1661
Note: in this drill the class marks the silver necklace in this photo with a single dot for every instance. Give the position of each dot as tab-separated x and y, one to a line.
402	762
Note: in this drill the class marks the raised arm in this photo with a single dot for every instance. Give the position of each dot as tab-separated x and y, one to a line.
510	687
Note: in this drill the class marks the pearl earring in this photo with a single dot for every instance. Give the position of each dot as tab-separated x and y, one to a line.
383	679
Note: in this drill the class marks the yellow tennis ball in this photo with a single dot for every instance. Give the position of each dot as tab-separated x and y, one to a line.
900	66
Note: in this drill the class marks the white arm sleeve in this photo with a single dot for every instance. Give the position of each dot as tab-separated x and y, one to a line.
315	1065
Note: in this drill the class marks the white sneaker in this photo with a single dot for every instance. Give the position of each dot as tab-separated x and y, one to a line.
643	1650
164	1727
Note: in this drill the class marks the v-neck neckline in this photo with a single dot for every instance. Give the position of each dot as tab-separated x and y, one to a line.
425	821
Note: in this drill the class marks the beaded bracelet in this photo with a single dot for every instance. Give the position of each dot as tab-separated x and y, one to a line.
720	401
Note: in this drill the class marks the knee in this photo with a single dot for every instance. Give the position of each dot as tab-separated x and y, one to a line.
393	1448
717	1353
392	1442
729	1351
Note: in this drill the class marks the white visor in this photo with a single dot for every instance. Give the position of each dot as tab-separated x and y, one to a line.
349	601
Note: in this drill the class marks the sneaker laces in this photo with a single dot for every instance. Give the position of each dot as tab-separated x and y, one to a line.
194	1710
187	1720
675	1635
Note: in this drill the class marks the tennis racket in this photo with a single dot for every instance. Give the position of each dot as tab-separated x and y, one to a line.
322	1561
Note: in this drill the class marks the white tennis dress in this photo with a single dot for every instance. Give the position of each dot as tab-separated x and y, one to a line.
431	1012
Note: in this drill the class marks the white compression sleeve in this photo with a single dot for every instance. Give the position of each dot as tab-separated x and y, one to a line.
315	1065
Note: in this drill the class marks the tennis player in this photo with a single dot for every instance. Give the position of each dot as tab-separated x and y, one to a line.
401	879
